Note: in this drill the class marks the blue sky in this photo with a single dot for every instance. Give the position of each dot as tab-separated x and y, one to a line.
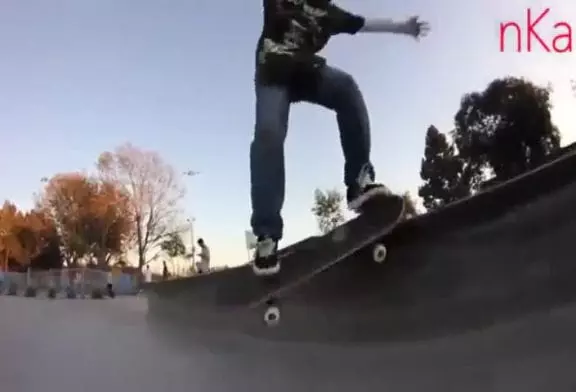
81	77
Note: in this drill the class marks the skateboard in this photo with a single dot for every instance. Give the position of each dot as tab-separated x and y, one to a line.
377	218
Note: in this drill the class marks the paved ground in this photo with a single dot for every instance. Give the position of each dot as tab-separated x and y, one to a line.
95	346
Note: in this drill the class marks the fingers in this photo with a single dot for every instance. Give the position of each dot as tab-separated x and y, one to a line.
424	29
418	28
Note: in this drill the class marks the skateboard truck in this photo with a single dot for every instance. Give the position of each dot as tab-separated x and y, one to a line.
272	313
353	236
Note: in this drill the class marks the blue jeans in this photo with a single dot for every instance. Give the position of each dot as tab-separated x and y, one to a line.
335	90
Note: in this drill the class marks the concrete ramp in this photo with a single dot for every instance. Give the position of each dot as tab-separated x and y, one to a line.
496	257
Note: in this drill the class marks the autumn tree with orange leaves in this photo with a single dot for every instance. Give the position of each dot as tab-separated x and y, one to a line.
93	217
110	224
154	189
23	235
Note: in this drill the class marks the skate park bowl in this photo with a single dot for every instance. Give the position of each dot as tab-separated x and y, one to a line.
478	296
478	290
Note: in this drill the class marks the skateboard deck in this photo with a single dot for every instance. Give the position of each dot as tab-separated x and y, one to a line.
378	218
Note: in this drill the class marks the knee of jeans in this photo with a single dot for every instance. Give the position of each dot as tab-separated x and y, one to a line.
269	131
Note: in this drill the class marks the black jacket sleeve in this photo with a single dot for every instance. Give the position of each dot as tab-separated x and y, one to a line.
341	21
280	9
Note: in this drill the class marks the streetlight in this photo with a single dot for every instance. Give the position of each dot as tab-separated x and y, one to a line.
191	220
192	245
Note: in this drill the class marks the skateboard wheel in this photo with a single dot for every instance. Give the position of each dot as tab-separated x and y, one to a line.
379	253
272	316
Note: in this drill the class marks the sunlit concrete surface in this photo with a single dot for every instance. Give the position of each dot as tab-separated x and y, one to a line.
85	345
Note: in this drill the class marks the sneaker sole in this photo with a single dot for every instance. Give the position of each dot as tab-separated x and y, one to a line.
266	271
357	203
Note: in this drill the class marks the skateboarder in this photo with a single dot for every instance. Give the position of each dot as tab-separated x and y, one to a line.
288	70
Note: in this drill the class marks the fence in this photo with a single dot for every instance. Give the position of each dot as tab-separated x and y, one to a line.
82	280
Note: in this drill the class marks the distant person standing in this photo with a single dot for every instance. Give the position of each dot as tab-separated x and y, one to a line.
203	265
164	271
147	274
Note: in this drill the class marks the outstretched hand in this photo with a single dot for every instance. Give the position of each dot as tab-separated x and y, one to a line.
417	28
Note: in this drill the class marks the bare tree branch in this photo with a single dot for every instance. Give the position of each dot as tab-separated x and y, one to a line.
154	188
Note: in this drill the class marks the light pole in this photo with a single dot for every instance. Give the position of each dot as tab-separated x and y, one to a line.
191	220
192	246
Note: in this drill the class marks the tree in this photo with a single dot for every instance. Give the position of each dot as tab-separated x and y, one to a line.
109	222
51	255
173	245
502	131
328	209
24	236
442	171
506	129
93	217
154	191
33	232
9	245
63	198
